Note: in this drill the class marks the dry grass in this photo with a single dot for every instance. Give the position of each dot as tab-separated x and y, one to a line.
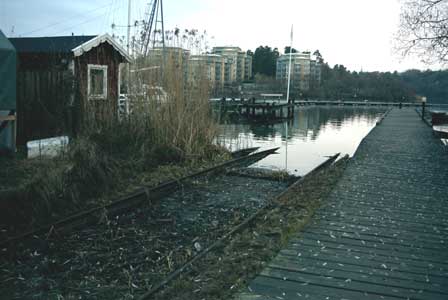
182	119
111	153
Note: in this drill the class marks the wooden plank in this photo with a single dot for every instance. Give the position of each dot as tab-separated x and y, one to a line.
331	265
401	207
411	191
351	264
379	214
365	261
312	247
308	248
366	221
372	219
363	285
391	203
285	289
379	276
392	178
358	225
411	238
382	232
359	242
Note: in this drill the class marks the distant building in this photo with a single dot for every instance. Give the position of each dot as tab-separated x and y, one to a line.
224	67
220	68
207	66
230	65
305	70
175	58
238	65
248	67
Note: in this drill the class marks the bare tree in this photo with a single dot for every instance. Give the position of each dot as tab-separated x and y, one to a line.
424	30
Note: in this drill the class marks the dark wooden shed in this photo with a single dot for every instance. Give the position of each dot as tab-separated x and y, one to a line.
63	79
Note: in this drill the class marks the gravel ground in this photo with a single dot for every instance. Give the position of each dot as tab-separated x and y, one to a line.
125	256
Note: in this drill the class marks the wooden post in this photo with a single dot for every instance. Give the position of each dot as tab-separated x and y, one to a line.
14	134
423	110
423	107
12	117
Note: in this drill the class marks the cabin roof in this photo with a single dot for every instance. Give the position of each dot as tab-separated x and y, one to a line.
5	44
53	44
96	41
65	44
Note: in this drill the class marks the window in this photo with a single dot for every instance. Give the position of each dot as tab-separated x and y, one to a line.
97	81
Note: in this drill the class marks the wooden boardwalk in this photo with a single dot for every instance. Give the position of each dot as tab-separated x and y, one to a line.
383	233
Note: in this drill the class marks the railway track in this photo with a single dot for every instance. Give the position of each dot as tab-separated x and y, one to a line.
234	230
149	250
139	197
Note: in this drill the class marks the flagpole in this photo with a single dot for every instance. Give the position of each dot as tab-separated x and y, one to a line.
289	66
287	96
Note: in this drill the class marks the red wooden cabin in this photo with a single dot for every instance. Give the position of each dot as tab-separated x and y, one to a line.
62	79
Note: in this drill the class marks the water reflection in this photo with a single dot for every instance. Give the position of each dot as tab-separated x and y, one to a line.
313	134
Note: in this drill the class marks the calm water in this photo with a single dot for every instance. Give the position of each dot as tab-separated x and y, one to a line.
306	141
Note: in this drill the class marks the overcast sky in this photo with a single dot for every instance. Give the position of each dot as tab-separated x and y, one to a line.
356	33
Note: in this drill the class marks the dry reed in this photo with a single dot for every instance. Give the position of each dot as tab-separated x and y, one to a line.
172	128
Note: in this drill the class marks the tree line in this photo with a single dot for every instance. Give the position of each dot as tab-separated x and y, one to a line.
338	82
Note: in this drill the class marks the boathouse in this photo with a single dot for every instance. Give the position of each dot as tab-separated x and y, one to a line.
61	80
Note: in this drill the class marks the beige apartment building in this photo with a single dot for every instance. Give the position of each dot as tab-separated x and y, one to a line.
305	70
174	58
248	67
210	67
238	65
223	67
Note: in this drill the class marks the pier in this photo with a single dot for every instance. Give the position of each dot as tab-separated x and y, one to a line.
383	231
277	109
266	109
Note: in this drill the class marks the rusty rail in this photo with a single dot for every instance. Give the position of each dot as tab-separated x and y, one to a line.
235	229
143	195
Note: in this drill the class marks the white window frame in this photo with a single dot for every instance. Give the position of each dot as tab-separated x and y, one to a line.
102	68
